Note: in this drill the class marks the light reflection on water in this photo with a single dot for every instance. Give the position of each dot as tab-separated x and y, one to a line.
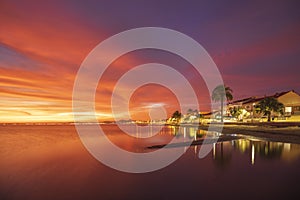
256	149
49	162
249	146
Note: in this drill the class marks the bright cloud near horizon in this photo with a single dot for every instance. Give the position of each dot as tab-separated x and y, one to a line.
255	45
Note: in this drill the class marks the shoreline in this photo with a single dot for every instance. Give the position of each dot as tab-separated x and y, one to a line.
289	134
268	132
273	131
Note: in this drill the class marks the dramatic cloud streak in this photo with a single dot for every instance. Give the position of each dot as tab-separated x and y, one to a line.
255	45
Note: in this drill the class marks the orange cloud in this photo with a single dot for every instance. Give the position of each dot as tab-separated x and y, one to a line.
57	41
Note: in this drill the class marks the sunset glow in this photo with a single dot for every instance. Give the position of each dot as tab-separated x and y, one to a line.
42	45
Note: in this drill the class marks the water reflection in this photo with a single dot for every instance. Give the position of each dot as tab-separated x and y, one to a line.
222	154
191	132
262	149
253	148
50	162
265	149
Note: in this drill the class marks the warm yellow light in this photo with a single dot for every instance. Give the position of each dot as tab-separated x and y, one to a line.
253	155
214	150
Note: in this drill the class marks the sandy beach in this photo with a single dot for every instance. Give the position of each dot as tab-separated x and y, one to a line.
278	132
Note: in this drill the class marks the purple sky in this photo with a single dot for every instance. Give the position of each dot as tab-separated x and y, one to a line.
255	44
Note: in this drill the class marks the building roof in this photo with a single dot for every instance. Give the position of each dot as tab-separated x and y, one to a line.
256	99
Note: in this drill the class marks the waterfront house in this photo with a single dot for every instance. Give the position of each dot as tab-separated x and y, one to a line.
290	100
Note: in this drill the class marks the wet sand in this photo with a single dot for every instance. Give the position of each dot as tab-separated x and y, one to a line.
273	132
288	134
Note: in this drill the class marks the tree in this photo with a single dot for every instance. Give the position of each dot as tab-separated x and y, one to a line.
190	111
177	115
219	94
190	115
236	112
269	105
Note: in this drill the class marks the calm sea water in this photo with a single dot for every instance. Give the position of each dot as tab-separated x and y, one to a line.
50	162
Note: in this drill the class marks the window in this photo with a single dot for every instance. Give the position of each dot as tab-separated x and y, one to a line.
296	108
288	109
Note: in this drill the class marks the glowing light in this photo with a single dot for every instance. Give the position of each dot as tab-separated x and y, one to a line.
214	150
253	155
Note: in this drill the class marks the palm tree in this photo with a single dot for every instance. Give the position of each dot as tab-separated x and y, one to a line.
190	111
269	105
221	92
177	115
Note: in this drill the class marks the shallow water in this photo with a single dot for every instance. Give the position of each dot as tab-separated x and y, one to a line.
50	162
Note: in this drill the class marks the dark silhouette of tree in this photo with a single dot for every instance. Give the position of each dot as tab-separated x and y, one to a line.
219	94
195	113
269	105
235	112
177	115
190	111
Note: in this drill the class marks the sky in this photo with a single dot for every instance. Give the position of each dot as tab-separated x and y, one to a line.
255	45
